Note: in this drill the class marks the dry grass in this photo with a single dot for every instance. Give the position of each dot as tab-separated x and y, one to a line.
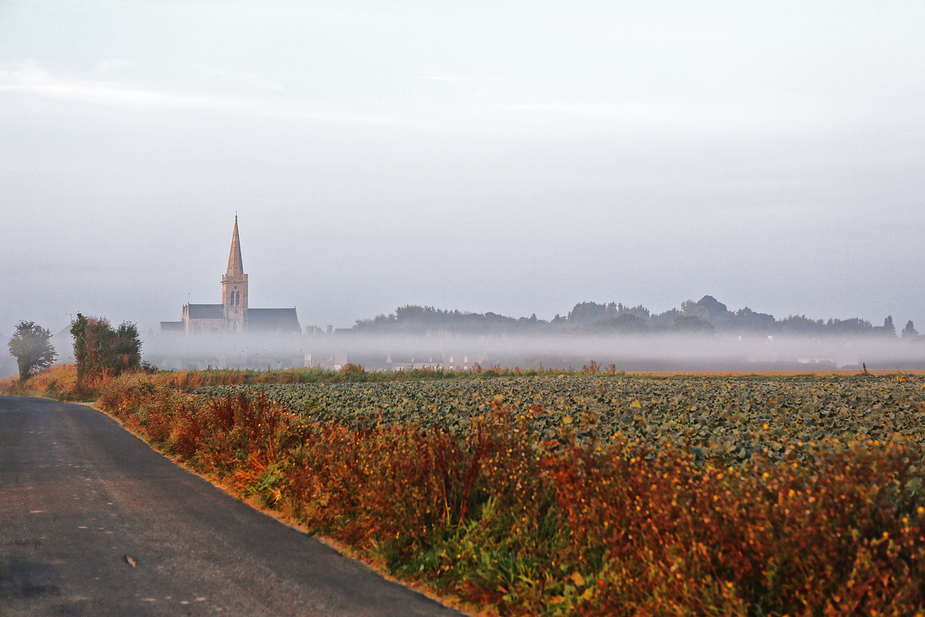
58	381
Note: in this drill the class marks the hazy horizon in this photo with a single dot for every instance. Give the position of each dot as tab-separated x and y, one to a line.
512	158
657	351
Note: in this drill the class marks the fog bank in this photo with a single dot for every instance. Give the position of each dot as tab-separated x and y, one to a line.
652	352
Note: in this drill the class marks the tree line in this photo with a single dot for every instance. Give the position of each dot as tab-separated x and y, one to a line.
707	315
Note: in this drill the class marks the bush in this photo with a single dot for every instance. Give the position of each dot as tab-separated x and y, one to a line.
103	352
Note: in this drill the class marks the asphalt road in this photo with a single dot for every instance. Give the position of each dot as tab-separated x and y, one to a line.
94	522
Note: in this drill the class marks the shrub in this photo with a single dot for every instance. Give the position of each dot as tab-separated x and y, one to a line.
102	351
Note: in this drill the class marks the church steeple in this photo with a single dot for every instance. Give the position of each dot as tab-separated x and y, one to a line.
234	287
235	265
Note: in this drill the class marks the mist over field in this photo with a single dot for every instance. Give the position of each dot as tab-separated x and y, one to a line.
698	336
651	352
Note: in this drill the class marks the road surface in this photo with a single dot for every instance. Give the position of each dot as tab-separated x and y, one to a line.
94	522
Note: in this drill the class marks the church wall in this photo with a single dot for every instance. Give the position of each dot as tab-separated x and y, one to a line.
205	326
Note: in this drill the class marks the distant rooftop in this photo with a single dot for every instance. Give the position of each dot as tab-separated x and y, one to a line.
273	320
206	311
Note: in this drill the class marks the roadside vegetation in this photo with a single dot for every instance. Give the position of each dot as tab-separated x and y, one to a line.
102	353
576	493
63	382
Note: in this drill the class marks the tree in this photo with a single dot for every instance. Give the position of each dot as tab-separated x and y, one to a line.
747	319
691	324
624	323
713	307
102	351
664	321
32	347
589	312
887	329
848	327
79	331
803	326
639	311
909	331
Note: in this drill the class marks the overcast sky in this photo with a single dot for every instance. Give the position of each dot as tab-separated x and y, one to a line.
514	157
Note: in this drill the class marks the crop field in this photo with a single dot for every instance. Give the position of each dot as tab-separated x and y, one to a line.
731	418
582	493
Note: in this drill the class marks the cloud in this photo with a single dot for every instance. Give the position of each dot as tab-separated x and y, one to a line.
36	81
440	78
250	79
771	117
111	65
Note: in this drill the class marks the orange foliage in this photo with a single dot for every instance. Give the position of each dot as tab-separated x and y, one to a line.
619	528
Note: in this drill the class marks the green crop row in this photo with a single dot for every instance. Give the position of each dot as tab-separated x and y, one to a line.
731	417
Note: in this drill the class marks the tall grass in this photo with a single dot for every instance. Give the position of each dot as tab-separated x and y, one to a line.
59	382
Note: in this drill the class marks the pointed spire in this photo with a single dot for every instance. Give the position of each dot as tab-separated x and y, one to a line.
235	265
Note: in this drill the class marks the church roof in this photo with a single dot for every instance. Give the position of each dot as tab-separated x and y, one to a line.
235	265
206	311
273	320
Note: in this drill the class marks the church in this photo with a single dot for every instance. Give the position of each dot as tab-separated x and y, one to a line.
233	315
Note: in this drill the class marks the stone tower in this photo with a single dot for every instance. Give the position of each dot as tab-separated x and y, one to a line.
234	287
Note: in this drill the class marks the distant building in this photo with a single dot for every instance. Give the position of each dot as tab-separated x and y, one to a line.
233	314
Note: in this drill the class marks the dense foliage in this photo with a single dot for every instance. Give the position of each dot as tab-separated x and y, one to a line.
103	351
546	511
31	345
